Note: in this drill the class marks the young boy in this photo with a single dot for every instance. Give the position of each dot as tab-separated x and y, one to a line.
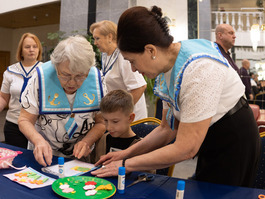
117	110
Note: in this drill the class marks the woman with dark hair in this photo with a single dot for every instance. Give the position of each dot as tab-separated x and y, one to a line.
204	108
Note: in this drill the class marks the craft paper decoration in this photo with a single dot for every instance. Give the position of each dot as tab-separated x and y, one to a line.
30	178
75	187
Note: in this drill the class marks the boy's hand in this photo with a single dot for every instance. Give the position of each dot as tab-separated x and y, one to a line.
81	149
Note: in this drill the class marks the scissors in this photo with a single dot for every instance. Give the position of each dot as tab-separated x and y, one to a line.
261	196
142	178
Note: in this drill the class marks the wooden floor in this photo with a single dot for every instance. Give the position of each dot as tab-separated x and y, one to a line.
185	169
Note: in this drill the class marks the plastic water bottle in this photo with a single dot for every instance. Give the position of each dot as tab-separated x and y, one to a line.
180	189
61	167
121	180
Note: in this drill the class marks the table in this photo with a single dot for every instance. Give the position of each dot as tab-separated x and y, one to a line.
163	187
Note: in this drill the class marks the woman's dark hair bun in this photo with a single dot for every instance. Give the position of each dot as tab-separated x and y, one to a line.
157	10
157	13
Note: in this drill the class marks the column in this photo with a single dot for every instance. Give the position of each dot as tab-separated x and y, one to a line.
205	19
74	16
112	9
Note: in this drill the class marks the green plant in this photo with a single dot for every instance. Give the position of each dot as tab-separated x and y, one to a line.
259	3
59	35
90	38
149	89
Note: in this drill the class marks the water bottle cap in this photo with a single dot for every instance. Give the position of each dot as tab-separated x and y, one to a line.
60	160
181	185
121	170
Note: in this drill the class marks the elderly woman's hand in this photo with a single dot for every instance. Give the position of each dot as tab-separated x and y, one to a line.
111	156
81	149
111	169
43	153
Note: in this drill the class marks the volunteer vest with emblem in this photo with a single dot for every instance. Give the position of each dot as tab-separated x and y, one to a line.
53	99
190	50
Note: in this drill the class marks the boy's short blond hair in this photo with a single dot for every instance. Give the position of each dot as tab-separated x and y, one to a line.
117	100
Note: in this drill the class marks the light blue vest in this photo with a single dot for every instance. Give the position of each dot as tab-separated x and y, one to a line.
53	99
190	51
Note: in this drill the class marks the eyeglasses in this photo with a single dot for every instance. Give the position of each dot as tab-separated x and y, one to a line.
77	78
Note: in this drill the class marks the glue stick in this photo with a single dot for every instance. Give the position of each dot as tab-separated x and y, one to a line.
61	167
121	180
180	189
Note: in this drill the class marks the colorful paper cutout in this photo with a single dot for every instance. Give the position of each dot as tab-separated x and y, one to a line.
84	186
30	178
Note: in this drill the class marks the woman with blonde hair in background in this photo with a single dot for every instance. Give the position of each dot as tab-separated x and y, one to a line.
117	72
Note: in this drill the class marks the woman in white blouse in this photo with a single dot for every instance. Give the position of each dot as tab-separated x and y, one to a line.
205	111
117	72
29	55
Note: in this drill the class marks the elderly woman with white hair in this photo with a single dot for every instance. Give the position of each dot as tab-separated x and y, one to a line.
60	105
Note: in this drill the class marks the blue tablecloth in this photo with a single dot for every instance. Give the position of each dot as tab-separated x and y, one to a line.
163	187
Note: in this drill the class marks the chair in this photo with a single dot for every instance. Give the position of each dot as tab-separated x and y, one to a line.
158	108
261	121
259	116
142	128
255	110
260	177
262	134
260	100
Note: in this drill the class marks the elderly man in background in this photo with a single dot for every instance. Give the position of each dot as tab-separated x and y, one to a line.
245	77
225	38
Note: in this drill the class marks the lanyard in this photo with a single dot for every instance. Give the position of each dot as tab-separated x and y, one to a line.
108	66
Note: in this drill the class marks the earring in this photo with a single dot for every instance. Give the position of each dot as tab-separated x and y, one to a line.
153	57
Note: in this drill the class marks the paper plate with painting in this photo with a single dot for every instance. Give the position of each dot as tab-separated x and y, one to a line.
79	187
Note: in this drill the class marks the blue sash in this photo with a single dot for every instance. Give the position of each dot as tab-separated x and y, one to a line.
53	99
21	71
190	50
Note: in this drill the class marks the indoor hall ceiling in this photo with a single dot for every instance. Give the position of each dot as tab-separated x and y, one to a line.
34	16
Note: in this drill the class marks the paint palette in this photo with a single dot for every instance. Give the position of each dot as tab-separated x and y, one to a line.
75	187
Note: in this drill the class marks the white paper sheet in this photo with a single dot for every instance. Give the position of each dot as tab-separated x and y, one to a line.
27	176
71	168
